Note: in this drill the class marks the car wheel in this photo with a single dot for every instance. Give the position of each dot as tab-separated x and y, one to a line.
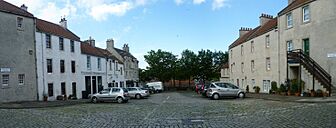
215	96
241	95
94	100
119	100
138	96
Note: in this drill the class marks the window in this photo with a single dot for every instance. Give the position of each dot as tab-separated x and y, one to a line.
289	45
88	62
99	64
49	65
252	66
305	14
19	21
121	71
289	20
110	65
73	66
242	67
231	68
252	46
62	67
116	66
61	44
72	46
48	41
63	88
5	79
21	79
267	40
231	54
242	49
268	63
50	89
253	82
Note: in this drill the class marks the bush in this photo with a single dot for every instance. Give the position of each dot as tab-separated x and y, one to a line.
256	89
295	87
319	93
282	88
274	87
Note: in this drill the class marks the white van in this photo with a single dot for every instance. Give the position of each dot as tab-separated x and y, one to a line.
156	85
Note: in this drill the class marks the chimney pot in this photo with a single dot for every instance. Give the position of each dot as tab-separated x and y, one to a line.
63	22
24	7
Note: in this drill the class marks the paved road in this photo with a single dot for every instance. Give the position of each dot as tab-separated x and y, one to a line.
173	110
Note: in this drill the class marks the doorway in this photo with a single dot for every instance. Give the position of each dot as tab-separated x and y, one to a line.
306	48
94	85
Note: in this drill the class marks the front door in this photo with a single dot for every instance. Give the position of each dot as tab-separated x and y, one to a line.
306	46
74	92
94	85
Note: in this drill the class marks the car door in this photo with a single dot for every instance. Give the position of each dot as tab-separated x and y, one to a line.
223	90
232	89
131	92
114	93
104	94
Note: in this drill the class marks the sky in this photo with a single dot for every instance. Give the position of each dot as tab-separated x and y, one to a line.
170	25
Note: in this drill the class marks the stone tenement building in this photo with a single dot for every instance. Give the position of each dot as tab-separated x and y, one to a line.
298	43
17	54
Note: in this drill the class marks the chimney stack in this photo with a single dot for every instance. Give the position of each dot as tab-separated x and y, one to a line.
90	41
126	48
243	31
63	22
24	7
110	44
264	18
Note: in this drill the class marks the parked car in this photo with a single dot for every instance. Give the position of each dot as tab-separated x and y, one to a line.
157	86
151	90
222	89
138	93
111	94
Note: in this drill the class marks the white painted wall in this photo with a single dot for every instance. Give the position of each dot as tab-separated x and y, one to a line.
56	77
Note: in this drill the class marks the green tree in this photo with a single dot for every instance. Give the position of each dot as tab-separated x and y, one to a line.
205	65
188	65
161	64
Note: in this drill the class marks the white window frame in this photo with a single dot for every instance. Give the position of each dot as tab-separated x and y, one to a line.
88	62
99	64
290	45
252	66
267	41
266	85
289	20
268	63
21	79
5	79
305	17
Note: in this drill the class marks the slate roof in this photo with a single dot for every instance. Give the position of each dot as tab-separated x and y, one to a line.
124	53
55	29
10	8
294	5
109	55
258	31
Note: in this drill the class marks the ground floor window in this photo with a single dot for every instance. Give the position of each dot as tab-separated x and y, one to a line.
50	89
21	79
5	79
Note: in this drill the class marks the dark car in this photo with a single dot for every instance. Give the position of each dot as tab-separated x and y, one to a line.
151	89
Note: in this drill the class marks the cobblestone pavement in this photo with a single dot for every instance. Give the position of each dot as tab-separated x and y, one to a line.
176	110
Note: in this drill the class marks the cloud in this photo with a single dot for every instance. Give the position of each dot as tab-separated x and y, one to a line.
217	4
198	1
179	2
101	12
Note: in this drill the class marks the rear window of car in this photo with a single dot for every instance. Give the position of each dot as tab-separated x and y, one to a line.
125	90
115	90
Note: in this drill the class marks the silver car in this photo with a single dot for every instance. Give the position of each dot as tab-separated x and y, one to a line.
111	94
222	89
138	93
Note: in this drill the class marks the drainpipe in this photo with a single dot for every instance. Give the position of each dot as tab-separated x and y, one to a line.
42	57
35	57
